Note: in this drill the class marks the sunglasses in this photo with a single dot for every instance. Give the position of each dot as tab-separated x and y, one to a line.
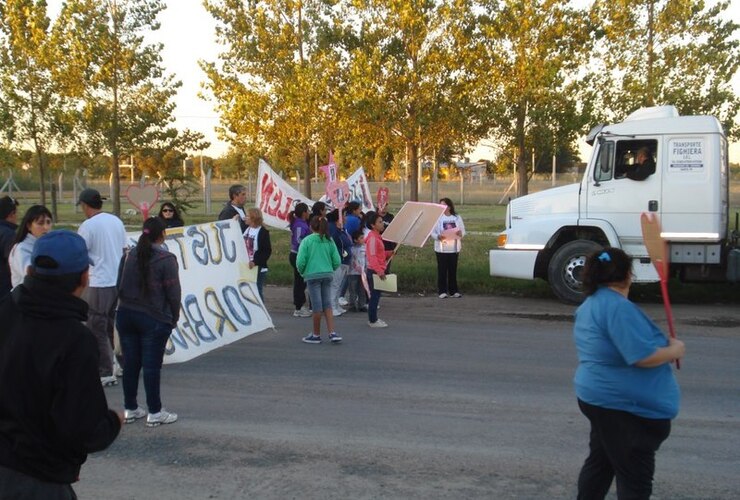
167	210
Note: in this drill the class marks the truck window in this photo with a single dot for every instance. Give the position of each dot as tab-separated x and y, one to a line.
605	162
635	160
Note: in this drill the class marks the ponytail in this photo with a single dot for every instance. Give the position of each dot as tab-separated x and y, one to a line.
151	232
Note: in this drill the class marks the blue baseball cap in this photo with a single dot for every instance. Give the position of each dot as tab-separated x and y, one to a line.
60	252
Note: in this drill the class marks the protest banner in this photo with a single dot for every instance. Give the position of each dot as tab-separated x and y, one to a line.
276	198
219	304
414	223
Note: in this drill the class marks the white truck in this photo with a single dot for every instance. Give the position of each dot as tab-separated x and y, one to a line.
550	233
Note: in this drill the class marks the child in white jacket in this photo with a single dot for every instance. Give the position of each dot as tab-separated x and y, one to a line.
447	236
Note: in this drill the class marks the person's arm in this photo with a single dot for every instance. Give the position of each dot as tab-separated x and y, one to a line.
673	351
302	257
172	289
460	226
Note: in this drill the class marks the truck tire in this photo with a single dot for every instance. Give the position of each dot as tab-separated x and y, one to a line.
565	268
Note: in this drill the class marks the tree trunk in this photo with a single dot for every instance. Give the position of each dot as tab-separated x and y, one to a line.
413	150
307	172
521	161
42	171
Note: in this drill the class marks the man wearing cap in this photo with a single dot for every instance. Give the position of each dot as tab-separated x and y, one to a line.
106	239
53	411
8	227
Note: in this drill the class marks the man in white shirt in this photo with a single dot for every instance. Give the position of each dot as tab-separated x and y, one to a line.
235	207
105	237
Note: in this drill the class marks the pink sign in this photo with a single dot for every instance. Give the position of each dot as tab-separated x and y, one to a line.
382	198
338	193
142	197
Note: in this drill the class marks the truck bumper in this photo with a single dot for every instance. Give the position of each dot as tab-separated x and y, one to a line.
512	263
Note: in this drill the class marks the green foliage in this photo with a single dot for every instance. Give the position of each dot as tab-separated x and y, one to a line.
652	52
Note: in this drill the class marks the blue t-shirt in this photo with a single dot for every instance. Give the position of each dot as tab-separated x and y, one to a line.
611	335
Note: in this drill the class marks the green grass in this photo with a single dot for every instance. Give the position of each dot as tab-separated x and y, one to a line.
417	267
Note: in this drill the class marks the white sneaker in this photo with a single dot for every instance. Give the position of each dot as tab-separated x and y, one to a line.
343	302
443	295
302	313
130	416
457	295
163	417
338	311
378	324
108	381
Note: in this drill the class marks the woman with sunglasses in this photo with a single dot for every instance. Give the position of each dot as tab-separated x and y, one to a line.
170	216
36	223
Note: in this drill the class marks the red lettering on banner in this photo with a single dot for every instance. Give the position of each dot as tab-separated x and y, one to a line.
283	214
266	188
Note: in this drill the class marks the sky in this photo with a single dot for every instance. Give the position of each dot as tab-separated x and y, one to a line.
188	34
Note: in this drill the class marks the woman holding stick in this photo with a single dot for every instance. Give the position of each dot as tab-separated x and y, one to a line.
624	381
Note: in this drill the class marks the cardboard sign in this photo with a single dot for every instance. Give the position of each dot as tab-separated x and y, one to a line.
220	303
338	193
413	224
359	190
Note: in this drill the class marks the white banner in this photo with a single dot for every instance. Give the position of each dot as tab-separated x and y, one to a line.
276	198
219	306
359	190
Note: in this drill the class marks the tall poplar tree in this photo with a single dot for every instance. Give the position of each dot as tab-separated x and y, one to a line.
29	97
654	52
103	61
275	83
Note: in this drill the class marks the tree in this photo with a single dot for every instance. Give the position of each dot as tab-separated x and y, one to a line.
29	96
103	61
273	84
406	80
530	51
679	52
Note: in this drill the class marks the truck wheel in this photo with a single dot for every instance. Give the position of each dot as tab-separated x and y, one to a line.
565	268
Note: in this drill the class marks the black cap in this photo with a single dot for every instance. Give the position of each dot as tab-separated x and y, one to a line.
7	206
91	197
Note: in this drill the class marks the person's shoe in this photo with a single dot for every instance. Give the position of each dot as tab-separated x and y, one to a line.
343	302
130	416
457	295
312	339
108	381
378	324
338	311
335	339
443	295
163	417
303	312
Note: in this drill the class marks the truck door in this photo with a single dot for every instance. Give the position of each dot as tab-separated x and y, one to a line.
625	183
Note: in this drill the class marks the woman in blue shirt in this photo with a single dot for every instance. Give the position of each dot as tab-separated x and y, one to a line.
624	381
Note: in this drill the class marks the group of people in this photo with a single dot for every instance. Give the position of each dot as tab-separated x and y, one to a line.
53	411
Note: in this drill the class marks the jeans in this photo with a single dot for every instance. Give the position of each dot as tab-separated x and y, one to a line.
143	340
357	295
14	484
261	278
621	444
447	273
372	306
299	286
319	291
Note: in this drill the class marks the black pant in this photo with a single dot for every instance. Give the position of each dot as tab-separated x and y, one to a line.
623	445
14	484
447	273
299	286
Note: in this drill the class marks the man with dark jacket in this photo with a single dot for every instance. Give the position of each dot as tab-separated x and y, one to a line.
235	207
53	410
8	227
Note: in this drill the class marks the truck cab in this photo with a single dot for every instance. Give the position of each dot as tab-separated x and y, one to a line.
655	161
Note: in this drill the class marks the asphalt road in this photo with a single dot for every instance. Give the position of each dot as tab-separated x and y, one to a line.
459	398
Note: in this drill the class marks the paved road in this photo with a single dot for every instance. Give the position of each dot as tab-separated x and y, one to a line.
467	398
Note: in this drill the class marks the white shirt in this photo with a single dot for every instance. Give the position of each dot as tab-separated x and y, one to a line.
251	239
20	259
451	223
106	238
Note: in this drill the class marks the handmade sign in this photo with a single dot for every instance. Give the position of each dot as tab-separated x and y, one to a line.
359	190
220	303
658	252
413	224
382	198
143	197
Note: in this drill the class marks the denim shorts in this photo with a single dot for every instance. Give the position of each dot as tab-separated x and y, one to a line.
319	291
